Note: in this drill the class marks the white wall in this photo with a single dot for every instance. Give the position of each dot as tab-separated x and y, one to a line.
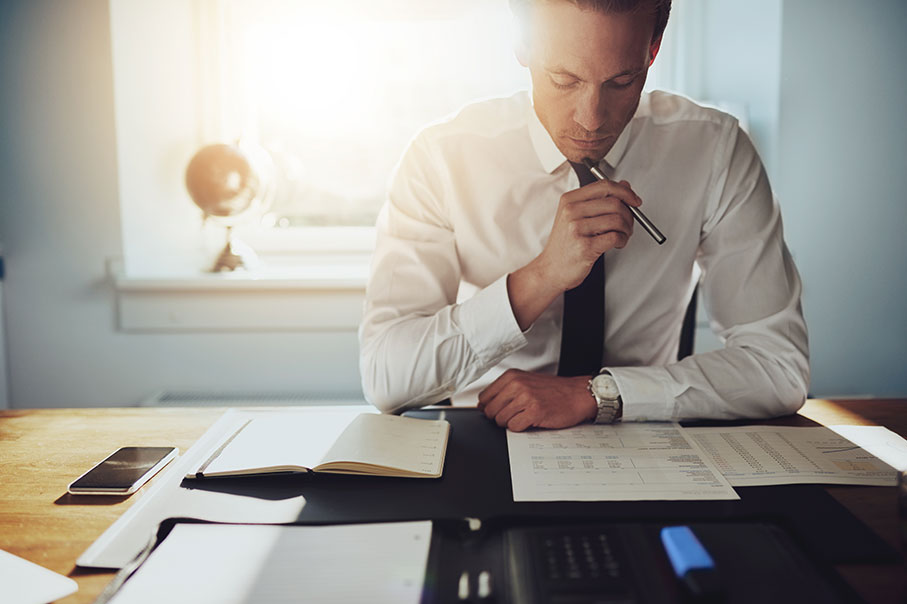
825	87
60	221
838	167
4	389
843	181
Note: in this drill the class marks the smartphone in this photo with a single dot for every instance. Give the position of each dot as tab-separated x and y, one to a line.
123	472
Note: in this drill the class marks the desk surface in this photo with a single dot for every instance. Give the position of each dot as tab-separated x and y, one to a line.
42	450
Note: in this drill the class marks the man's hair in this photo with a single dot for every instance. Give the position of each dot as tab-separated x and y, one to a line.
661	8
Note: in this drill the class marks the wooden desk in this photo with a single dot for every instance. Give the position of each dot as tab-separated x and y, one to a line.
43	450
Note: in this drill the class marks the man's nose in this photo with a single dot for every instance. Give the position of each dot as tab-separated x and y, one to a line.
590	110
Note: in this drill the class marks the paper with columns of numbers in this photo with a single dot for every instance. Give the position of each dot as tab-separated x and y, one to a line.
620	462
766	455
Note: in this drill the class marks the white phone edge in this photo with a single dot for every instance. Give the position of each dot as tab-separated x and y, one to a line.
174	451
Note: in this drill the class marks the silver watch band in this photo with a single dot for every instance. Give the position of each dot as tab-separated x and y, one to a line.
609	410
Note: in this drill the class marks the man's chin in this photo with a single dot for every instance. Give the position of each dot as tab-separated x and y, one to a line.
576	152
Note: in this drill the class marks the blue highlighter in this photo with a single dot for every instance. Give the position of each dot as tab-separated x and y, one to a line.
692	563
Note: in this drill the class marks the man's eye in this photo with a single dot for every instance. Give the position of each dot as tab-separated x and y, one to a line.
622	82
563	83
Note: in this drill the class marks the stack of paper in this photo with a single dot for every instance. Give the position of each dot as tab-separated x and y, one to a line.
638	462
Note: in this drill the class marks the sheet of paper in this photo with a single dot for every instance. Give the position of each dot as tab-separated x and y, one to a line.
413	445
272	440
879	441
765	455
622	462
233	564
24	582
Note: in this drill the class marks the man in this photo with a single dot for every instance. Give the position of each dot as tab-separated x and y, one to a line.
486	227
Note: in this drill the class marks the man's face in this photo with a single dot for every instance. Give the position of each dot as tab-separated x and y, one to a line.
588	69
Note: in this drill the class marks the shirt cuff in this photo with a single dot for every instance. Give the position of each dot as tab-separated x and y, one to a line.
645	393
488	323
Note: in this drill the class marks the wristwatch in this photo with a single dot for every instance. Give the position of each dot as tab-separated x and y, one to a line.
607	397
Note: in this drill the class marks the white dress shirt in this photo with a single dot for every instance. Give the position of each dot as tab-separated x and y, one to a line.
474	198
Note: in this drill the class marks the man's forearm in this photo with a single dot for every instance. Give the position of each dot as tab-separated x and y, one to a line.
530	294
420	359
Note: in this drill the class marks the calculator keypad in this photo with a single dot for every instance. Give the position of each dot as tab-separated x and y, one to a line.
582	566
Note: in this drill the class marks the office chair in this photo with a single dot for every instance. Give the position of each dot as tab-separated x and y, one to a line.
688	329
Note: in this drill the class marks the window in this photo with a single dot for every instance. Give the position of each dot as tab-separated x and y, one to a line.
333	92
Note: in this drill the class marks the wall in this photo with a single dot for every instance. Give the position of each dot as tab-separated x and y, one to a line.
838	167
4	389
824	87
60	221
842	178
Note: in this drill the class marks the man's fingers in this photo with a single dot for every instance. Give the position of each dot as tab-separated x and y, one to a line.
494	388
604	188
519	422
495	404
621	222
507	413
597	206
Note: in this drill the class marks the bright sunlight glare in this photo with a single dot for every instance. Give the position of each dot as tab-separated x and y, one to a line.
331	92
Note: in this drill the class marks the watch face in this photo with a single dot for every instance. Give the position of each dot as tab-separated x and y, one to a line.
604	386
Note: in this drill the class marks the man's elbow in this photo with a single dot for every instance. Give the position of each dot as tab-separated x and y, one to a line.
791	388
384	401
791	401
378	392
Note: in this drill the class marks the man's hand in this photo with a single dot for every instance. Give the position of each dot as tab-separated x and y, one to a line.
519	400
590	221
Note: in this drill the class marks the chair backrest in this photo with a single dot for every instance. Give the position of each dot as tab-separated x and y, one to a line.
688	329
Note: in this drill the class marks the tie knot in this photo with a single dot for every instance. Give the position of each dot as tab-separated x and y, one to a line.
583	173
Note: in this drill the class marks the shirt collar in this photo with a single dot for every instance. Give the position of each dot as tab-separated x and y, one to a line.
551	157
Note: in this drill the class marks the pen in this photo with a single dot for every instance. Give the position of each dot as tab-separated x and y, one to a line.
641	218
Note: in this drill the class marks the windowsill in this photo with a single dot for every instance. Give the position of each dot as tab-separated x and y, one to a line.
296	272
350	277
322	295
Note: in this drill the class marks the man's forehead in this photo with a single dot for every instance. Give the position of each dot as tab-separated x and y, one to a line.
522	8
564	36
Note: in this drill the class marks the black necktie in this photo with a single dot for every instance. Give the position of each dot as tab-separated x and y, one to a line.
583	327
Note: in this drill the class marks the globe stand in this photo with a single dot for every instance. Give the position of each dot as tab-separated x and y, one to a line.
235	255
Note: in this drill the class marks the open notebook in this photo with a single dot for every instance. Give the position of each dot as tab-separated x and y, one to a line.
338	442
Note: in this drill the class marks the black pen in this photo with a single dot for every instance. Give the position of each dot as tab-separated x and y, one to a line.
650	228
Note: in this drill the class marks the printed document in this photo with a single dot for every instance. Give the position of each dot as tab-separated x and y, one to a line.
764	455
878	440
620	462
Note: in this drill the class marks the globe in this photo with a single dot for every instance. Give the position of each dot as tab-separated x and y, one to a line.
229	182
221	180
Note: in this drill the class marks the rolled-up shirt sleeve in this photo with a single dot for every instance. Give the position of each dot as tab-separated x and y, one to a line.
751	290
417	344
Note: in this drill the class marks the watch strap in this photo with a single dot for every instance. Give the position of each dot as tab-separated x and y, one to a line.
609	410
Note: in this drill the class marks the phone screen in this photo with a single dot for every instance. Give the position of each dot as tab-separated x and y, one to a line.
122	469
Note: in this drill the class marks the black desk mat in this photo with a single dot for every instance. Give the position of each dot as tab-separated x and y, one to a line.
476	483
770	568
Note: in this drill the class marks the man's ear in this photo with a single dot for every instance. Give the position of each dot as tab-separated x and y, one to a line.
521	50
654	47
521	39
